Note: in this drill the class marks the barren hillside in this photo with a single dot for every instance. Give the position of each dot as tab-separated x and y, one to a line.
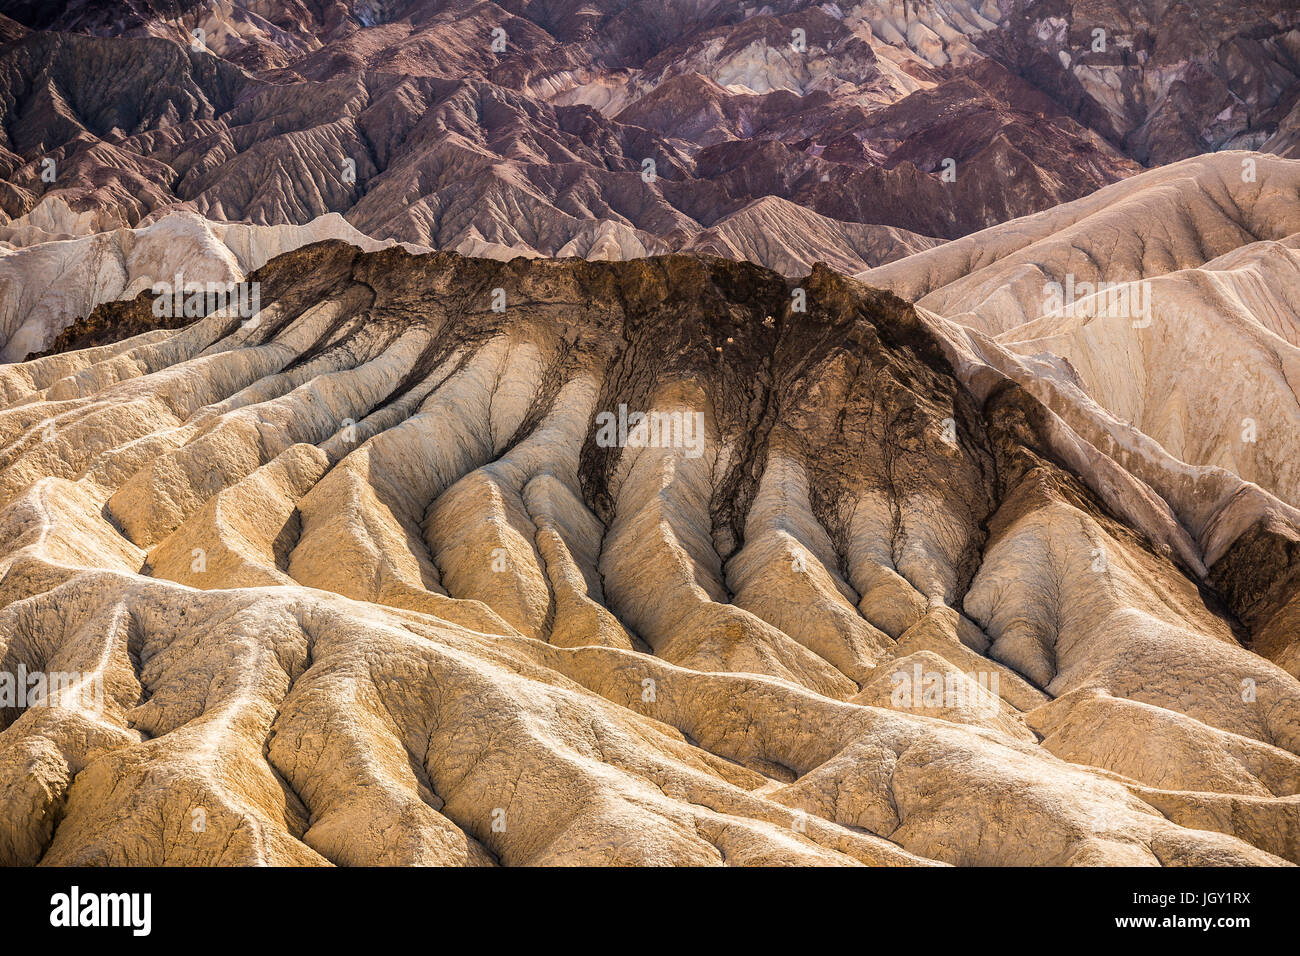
365	579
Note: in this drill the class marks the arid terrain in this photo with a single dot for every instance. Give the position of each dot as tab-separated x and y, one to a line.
796	503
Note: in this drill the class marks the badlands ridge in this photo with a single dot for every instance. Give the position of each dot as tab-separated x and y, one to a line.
618	128
956	525
386	573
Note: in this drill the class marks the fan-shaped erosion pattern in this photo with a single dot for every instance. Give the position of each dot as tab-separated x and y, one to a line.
674	560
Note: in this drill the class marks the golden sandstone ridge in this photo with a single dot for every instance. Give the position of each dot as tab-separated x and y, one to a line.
372	577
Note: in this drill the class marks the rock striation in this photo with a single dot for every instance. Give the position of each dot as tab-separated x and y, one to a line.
602	129
666	561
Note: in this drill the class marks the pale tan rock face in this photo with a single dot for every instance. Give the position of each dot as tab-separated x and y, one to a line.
1169	299
648	565
1158	318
